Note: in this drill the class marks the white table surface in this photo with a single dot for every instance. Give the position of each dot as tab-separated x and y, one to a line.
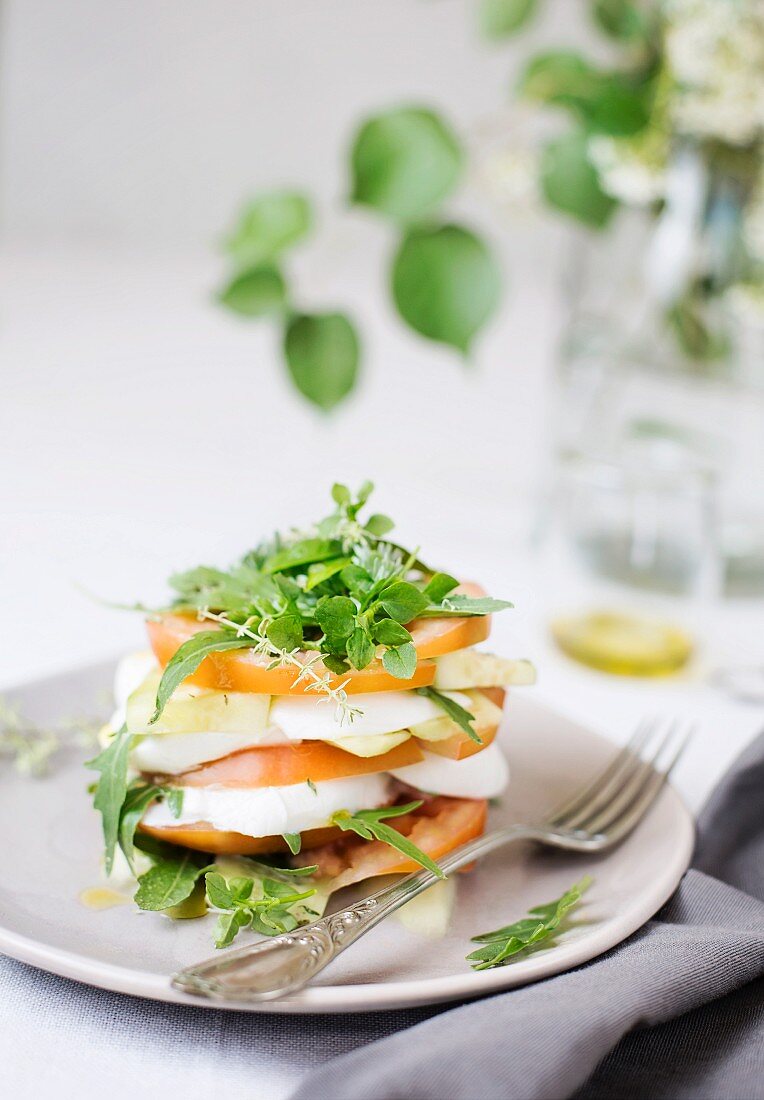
140	431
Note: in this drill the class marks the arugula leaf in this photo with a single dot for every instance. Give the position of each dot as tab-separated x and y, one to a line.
265	903
138	798
369	824
400	661
456	713
525	934
111	790
294	842
170	880
466	606
187	659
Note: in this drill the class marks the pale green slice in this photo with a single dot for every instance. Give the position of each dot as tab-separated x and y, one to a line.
487	717
197	710
372	745
468	668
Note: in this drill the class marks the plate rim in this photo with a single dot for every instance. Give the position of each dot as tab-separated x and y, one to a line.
374	997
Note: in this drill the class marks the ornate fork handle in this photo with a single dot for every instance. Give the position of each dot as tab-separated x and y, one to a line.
284	964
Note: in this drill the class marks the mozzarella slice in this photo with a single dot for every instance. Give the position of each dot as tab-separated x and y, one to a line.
171	753
312	718
483	775
269	811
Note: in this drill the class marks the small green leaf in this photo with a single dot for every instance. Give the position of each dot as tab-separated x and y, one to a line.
320	572
401	661
369	825
468	605
269	225
293	841
379	525
501	18
139	797
304	552
229	924
445	284
336	664
455	712
187	658
389	632
217	891
403	601
322	353
569	181
404	163
361	648
620	19
169	882
285	632
111	790
341	494
173	796
439	586
527	933
256	292
336	616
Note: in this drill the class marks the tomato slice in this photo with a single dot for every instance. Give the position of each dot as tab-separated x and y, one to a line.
284	765
244	670
437	827
202	837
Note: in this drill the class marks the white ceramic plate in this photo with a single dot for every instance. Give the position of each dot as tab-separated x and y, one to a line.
51	843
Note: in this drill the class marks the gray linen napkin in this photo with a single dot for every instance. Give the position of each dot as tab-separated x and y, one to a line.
676	1011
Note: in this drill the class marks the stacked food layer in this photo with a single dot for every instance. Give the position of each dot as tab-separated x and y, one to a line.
323	702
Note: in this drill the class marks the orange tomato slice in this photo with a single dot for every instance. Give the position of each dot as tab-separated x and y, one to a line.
244	670
437	827
284	765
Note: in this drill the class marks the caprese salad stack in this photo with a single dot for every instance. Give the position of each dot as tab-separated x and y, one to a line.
322	702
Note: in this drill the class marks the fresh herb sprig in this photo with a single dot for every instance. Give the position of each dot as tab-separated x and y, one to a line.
269	910
325	601
370	825
524	935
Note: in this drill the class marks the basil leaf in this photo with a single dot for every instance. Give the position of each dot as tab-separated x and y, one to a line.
169	881
403	601
187	659
404	163
446	284
401	661
111	790
322	352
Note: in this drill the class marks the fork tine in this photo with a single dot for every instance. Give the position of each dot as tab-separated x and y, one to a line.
625	756
630	818
605	808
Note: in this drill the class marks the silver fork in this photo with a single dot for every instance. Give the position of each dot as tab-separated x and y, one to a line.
597	817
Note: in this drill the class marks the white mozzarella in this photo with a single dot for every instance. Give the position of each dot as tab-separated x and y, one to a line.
315	719
171	753
483	775
269	811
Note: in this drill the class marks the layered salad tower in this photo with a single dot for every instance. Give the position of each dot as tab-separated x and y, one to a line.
321	703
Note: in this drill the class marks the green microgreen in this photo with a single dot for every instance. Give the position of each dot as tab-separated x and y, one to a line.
525	935
369	824
324	601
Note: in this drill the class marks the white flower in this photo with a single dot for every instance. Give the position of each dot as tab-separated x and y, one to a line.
627	169
715	52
